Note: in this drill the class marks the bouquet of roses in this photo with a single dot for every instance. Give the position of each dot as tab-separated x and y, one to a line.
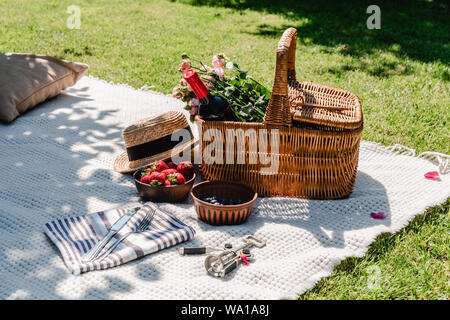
247	98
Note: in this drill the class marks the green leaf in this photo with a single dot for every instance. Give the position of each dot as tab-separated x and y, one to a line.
243	114
247	86
247	98
243	75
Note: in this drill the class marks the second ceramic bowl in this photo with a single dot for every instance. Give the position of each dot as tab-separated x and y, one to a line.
215	214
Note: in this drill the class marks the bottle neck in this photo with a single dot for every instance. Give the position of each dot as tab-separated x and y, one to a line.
196	84
205	101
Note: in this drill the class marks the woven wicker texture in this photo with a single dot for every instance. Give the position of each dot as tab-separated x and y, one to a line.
56	163
317	153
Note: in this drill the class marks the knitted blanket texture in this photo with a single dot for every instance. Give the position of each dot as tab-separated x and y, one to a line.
56	161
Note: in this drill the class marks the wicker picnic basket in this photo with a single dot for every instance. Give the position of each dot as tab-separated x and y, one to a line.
314	131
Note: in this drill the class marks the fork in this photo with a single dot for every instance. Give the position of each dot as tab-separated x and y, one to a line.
140	228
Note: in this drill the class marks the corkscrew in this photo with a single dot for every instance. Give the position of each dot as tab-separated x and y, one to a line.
221	262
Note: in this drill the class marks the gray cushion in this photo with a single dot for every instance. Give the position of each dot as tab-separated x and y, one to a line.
28	79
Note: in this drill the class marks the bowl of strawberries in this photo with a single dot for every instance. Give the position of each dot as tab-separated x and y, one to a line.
165	181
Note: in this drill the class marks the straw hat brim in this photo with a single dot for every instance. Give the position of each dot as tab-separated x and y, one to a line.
123	165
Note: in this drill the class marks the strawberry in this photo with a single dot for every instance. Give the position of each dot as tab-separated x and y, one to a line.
167	183
145	179
169	171
157	178
158	166
146	171
176	178
185	168
171	165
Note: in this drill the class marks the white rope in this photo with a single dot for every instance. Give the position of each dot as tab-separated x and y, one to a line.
401	149
440	159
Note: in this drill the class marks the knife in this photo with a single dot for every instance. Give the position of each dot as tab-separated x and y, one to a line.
95	250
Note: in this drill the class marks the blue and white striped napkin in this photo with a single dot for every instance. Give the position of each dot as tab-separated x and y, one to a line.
74	236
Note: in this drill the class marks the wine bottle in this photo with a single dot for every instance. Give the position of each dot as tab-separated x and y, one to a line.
212	107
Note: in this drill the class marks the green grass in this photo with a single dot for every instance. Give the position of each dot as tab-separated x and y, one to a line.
401	74
411	264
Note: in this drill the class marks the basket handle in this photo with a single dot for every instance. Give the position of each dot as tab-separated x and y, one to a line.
278	110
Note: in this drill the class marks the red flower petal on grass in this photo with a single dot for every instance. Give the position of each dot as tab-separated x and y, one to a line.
344	47
432	175
378	215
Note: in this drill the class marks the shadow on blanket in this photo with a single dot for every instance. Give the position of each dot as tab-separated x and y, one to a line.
50	169
310	216
54	169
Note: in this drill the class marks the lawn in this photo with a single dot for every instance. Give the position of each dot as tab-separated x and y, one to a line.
401	74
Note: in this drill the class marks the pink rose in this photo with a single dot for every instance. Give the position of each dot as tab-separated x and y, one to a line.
193	111
185	65
176	93
184	83
194	102
208	85
218	62
219	72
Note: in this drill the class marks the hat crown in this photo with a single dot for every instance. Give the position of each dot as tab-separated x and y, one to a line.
150	129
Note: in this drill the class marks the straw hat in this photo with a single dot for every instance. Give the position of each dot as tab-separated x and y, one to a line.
149	140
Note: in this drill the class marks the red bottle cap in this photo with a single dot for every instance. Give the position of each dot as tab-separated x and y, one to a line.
196	83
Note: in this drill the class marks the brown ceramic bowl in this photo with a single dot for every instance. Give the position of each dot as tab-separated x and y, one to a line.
223	214
174	193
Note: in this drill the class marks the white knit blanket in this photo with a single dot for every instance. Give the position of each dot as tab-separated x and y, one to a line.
56	161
